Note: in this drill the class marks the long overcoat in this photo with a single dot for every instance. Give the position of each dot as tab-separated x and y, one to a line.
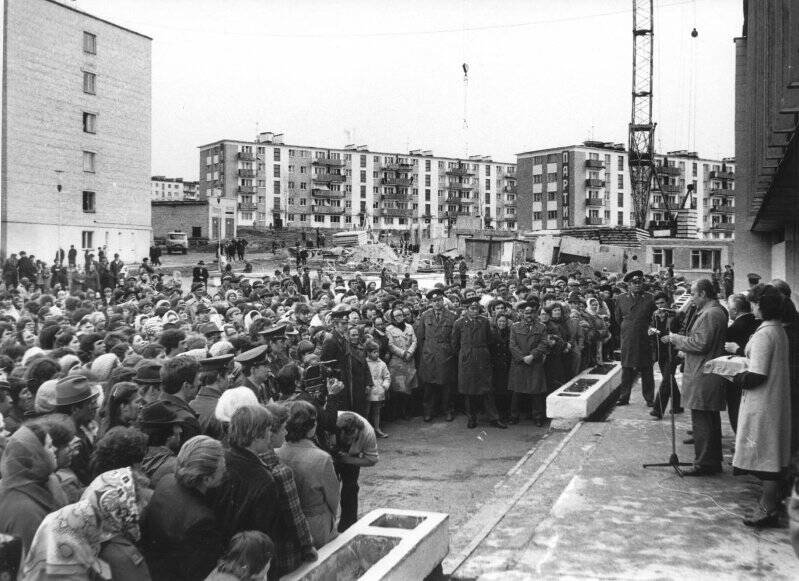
633	311
437	362
471	339
528	340
704	341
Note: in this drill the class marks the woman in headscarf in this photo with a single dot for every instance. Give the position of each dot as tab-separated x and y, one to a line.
94	537
28	489
402	346
181	536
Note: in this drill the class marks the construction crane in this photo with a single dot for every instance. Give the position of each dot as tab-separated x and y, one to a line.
642	128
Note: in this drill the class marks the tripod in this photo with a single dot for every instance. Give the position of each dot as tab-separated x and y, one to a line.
674	461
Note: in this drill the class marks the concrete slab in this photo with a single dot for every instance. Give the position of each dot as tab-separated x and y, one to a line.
584	394
386	544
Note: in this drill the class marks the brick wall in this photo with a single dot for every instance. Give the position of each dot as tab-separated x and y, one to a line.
183	216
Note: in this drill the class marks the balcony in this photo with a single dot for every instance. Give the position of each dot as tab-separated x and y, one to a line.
395	196
330	178
459	186
334	210
510	203
595	201
247	207
510	176
398	182
722	209
246	173
594	164
328	162
459	171
397	212
657	206
594	221
670	189
246	189
722	175
400	167
246	156
325	193
592	183
669	170
457	200
723	226
722	192
510	189
297	209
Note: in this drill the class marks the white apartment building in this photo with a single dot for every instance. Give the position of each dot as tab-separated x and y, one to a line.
164	188
76	132
267	182
589	185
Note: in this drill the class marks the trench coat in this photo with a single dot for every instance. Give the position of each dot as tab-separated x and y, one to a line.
471	339
528	340
632	315
705	341
403	373
437	362
500	360
763	438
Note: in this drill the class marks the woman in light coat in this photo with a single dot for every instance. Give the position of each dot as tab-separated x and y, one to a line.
317	484
762	441
402	346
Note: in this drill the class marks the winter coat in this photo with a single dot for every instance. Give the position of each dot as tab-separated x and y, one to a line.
500	360
437	362
633	312
471	341
528	340
403	373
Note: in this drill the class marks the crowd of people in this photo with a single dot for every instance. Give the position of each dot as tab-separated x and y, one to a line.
152	431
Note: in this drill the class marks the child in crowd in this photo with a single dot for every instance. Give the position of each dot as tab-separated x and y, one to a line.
381	380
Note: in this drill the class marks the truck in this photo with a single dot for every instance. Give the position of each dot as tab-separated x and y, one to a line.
177	241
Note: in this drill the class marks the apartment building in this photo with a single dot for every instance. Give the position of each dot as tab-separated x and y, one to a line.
76	132
589	185
268	183
164	188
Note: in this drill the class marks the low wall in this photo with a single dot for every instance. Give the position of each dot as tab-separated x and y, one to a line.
585	393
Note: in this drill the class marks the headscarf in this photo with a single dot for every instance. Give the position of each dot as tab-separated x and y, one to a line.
231	400
27	467
68	540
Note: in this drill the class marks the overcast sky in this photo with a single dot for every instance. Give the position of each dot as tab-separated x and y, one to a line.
541	73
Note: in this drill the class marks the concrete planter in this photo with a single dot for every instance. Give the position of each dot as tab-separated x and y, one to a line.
385	544
585	393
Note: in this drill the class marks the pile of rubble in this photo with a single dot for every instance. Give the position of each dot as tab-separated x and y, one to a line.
573	268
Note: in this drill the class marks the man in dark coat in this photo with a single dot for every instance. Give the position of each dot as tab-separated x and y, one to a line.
200	274
529	347
633	311
743	326
336	347
665	321
437	361
471	338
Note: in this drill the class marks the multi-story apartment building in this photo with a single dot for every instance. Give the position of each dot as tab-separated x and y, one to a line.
267	182
164	188
76	132
589	185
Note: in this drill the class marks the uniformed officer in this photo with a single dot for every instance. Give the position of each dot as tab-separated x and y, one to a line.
633	312
256	373
437	367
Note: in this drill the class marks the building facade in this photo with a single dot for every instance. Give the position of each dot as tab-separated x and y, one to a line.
164	188
271	184
190	216
767	144
76	132
589	185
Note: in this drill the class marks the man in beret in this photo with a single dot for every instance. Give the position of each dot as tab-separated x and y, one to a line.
437	367
633	312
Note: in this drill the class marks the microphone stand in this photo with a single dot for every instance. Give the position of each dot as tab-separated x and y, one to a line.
674	461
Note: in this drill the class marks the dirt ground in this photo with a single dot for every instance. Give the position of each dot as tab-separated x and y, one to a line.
443	467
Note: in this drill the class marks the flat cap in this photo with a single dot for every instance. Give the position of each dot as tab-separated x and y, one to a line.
148	373
74	389
209	329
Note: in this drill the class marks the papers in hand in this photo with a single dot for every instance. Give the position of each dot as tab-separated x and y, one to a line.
728	366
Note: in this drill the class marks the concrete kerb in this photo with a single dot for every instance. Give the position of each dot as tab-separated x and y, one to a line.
583	395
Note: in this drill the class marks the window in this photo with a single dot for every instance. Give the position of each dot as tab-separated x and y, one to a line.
87	239
488	170
427	195
335	219
488	197
89	82
621	218
551	196
363	191
318	218
705	259
620	165
303	185
552	215
277	154
620	181
89	43
662	256
363	176
552	177
196	232
89	123
537	178
363	161
276	170
488	182
88	161
88	202
536	215
427	165
536	196
620	200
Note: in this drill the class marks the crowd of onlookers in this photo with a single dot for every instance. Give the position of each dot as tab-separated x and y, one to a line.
218	431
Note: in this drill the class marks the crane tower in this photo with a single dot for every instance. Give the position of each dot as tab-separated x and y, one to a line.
642	129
